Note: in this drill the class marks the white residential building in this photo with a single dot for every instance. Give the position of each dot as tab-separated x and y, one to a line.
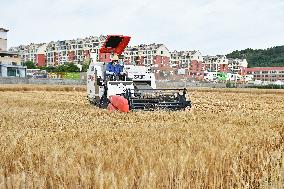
9	60
60	52
182	59
154	55
217	63
236	65
28	52
3	39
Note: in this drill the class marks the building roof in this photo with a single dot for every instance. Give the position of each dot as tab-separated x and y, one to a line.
184	53
13	66
265	69
3	30
8	53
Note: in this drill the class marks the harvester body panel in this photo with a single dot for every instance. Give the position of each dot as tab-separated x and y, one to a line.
115	44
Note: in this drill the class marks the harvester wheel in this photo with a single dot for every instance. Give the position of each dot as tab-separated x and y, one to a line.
103	102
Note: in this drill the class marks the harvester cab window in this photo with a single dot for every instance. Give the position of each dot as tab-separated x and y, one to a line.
113	41
100	81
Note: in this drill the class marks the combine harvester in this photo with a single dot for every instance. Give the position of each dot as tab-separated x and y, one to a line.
135	91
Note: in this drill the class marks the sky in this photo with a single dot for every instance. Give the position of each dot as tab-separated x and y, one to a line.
211	26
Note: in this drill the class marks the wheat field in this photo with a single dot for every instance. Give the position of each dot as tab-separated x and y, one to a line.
50	137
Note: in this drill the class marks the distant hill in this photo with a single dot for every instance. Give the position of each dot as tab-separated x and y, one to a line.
271	57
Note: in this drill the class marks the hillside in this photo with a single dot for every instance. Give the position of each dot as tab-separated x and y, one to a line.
271	57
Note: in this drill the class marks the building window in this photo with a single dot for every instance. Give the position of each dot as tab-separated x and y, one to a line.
11	72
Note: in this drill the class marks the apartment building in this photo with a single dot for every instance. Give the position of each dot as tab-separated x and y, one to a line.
76	51
3	39
187	63
133	56
40	56
218	63
266	73
165	64
237	66
221	63
155	55
7	57
183	59
29	52
9	60
60	52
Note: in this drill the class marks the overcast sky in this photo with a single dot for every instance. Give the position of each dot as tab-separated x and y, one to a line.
211	26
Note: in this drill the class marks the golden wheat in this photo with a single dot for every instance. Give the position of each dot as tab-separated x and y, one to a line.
52	138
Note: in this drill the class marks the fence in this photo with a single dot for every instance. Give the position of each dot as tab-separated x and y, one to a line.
16	80
160	84
188	84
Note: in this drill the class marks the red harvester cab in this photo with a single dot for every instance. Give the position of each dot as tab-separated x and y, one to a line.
115	44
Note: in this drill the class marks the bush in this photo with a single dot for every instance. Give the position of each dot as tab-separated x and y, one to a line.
270	86
67	67
29	64
231	85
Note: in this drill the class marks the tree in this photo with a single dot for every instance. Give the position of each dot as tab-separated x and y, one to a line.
48	68
60	68
67	67
30	65
71	67
270	57
85	67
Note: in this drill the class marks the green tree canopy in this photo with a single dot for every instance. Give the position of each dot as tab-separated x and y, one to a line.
48	68
71	67
270	57
85	67
67	67
30	65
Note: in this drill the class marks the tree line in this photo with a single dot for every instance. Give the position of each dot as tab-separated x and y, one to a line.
271	57
67	67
